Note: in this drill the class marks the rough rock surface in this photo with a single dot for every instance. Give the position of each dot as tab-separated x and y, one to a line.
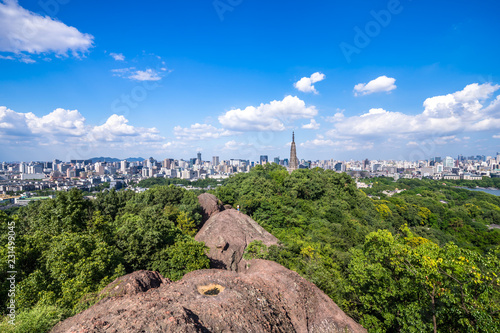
228	234
265	298
210	205
136	282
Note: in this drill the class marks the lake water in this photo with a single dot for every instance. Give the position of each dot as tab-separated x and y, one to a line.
494	192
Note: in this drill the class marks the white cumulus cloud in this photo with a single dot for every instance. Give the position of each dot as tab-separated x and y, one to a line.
462	111
24	31
59	121
138	75
69	126
13	124
380	84
267	117
338	116
147	75
312	125
306	83
117	56
116	128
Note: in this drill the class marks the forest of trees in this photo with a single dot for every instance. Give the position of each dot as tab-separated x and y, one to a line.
422	260
160	181
69	248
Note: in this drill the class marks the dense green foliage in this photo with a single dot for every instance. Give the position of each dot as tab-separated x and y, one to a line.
408	283
439	212
69	248
160	181
404	262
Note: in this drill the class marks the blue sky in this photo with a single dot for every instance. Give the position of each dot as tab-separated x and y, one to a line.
379	80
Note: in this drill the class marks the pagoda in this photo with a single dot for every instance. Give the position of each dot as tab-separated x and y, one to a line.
294	162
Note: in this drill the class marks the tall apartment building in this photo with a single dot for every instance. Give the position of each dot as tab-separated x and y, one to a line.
123	165
448	162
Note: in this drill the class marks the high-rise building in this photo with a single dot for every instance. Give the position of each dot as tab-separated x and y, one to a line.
99	168
277	160
448	162
198	158
215	160
23	167
294	162
123	165
366	164
150	162
263	159
168	163
34	168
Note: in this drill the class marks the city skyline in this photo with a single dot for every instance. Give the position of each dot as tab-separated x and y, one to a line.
400	80
263	159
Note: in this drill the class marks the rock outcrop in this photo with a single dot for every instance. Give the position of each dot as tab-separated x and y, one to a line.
210	205
228	234
265	298
131	284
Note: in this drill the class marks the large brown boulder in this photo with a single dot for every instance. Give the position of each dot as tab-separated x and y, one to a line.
136	282
228	234
265	298
210	205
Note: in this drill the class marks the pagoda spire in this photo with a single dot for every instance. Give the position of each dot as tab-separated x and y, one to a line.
294	162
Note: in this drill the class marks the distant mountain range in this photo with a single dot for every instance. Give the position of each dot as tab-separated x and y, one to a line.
112	159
